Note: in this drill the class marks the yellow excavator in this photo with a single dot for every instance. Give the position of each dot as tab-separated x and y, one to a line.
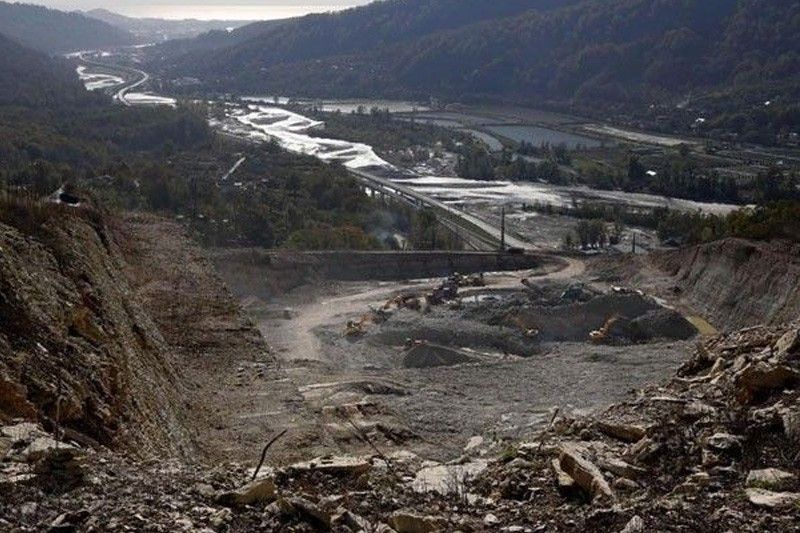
600	336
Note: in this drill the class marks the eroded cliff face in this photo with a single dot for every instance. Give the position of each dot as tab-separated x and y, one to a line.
737	283
77	348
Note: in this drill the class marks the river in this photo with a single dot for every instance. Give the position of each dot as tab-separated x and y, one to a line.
293	131
263	119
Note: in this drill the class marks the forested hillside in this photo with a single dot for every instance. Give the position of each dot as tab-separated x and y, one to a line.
380	24
31	78
55	133
597	54
55	31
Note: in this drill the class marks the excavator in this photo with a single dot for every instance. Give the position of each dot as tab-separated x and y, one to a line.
600	336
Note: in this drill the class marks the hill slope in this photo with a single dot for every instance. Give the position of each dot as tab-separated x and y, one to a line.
31	78
737	283
76	349
621	53
155	30
379	24
54	31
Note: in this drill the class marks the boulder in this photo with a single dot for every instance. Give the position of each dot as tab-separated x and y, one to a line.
788	346
624	432
348	519
566	485
634	525
584	472
40	447
309	512
620	468
258	491
337	466
406	522
725	443
758	378
449	478
693	484
772	500
490	520
623	484
696	409
645	450
770	478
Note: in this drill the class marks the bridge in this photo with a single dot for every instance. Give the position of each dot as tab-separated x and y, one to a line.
476	233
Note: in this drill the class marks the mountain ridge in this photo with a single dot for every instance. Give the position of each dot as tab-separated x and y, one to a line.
623	54
53	31
153	29
373	25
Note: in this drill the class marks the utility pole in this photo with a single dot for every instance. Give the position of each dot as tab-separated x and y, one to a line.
503	230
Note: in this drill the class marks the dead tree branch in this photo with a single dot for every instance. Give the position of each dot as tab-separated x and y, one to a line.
264	452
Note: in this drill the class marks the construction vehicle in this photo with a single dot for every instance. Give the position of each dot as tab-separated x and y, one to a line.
601	336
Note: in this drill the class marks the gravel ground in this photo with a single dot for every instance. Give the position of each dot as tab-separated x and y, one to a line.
437	410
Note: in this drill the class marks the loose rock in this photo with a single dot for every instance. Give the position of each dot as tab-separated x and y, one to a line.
772	500
770	478
405	522
258	491
584	472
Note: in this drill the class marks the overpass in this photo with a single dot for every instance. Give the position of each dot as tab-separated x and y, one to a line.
476	232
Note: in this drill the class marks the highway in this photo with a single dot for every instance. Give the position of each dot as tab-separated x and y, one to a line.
140	77
477	233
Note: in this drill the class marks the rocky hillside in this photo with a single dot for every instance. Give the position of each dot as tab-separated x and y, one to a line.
104	321
736	283
78	350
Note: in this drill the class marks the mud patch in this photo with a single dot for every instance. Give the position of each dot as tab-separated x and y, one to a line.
607	318
445	327
366	386
425	355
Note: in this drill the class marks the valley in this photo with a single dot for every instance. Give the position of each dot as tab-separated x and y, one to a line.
411	266
471	203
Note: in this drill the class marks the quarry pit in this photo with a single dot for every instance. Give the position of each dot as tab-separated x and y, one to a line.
427	365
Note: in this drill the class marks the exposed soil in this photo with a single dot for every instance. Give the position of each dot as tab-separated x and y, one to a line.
731	283
460	406
470	371
237	393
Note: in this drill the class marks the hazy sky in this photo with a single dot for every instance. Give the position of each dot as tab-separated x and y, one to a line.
206	9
